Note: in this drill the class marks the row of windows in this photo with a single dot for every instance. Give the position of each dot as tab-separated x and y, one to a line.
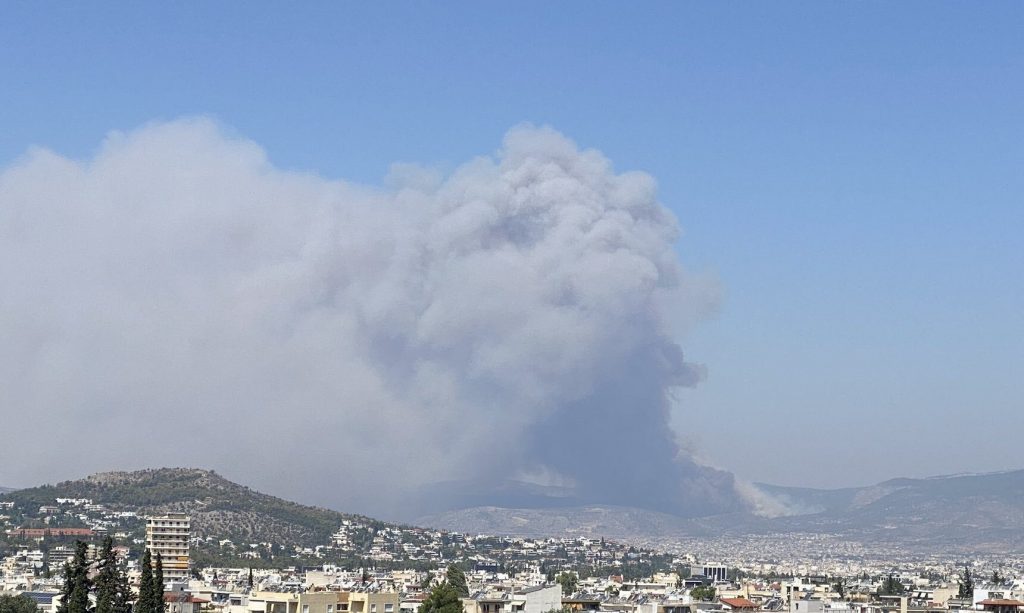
388	608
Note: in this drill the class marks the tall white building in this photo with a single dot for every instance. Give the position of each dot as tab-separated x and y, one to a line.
168	535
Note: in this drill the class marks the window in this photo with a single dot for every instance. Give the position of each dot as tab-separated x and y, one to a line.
389	608
330	608
373	608
305	608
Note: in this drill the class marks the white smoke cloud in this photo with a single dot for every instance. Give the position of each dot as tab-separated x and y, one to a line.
177	300
770	504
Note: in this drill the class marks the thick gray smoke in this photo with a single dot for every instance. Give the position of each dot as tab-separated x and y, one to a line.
176	300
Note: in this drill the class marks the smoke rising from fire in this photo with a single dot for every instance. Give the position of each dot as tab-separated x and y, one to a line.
177	300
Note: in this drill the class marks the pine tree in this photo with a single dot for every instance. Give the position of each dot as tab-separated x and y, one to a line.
892	586
9	603
457	579
569	583
444	598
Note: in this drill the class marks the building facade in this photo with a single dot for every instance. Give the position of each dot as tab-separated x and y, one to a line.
168	535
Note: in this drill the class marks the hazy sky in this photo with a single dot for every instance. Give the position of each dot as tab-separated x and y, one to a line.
848	180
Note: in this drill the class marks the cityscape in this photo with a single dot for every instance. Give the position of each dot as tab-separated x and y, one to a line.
371	566
587	306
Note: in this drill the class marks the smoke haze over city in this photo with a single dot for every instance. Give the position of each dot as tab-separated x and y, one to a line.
483	326
395	259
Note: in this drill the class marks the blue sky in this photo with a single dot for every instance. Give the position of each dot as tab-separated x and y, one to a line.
850	172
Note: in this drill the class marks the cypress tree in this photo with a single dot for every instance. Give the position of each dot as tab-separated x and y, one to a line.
66	588
106	580
79	602
123	592
158	585
146	602
966	584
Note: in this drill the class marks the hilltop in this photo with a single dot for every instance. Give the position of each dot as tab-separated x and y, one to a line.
219	507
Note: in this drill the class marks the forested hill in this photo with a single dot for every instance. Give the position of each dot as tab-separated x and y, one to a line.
234	526
219	508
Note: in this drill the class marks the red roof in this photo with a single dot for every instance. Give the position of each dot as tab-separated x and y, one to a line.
182	597
737	603
1001	602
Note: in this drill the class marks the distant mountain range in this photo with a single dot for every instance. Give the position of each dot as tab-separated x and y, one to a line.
981	511
4	490
984	512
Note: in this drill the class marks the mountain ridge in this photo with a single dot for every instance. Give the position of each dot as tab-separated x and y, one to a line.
931	512
934	512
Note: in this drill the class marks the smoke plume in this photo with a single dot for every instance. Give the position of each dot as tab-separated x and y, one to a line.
177	300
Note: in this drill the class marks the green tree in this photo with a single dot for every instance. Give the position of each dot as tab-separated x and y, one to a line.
123	595
146	602
158	585
66	588
840	587
74	594
891	586
456	578
966	584
682	574
703	592
444	598
996	577
107	579
17	604
569	582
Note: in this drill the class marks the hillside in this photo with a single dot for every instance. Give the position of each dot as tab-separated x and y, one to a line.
981	512
984	512
265	531
219	508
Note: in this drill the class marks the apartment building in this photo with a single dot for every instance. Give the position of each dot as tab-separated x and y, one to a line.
322	602
168	535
